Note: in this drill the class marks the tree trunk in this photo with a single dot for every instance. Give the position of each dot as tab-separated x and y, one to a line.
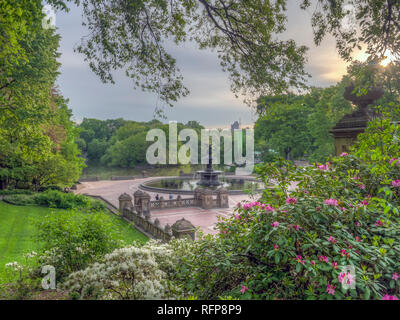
287	153
3	183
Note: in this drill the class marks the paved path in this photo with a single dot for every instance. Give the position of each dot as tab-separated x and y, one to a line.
205	219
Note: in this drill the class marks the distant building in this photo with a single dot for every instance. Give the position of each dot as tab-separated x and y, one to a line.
235	125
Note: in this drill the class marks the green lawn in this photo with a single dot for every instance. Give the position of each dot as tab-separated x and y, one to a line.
16	231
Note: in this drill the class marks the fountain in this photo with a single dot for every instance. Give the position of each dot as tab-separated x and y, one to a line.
209	177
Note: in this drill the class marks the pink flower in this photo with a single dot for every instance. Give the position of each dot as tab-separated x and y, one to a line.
312	262
332	239
361	186
296	227
225	231
244	289
250	205
330	289
318	208
334	265
275	224
393	160
388	297
269	208
396	183
357	224
395	276
331	202
379	223
275	246
323	258
237	217
343	209
346	278
291	200
343	154
364	202
344	253
299	259
323	167
358	239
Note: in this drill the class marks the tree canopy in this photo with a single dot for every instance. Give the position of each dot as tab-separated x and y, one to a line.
37	146
247	35
372	25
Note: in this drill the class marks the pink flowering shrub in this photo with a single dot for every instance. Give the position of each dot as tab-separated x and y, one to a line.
341	215
299	251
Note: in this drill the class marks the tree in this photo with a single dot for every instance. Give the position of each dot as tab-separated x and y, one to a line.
96	149
285	129
37	144
131	35
296	125
374	24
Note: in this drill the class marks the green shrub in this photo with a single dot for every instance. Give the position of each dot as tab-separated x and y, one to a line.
72	240
15	191
97	205
61	200
51	187
20	199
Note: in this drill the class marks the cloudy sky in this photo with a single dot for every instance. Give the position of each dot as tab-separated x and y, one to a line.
210	101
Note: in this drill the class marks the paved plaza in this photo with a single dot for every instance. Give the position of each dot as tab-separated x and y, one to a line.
205	219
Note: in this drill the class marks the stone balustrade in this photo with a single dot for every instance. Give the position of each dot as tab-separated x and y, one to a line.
139	211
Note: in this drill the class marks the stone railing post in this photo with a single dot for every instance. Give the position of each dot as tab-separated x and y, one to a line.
222	198
179	201
197	197
206	199
167	232
125	201
162	202
183	228
137	198
145	204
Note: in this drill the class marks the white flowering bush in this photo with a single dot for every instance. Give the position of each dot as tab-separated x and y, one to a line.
19	278
133	272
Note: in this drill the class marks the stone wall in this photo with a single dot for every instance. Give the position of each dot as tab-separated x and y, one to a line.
138	212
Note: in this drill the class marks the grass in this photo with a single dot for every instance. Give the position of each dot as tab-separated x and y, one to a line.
16	231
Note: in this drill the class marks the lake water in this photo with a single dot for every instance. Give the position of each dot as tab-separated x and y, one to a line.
105	173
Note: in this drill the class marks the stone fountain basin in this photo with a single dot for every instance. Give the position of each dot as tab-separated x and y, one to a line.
154	185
